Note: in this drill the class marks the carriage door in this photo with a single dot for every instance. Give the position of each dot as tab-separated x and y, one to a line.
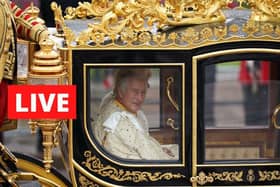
236	118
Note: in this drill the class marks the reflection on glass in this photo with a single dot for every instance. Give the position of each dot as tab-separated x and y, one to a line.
236	94
22	60
102	83
237	111
125	106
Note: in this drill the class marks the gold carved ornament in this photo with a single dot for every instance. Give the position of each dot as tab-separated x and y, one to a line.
189	37
265	10
203	178
97	8
269	175
250	176
143	15
129	23
85	182
94	164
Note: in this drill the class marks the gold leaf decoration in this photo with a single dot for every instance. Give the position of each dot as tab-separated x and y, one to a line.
269	175
94	164
235	176
220	31
250	28
277	30
203	178
265	10
189	37
250	176
128	19
144	37
159	38
267	28
234	28
84	182
206	33
96	8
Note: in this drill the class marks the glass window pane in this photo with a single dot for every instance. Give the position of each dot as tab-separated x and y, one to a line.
128	112
238	106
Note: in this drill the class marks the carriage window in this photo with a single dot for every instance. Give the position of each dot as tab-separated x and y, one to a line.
131	118
239	100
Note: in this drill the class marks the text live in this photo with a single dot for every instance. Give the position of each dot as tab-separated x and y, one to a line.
42	102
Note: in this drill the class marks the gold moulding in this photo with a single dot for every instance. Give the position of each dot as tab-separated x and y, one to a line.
46	54
47	69
48	62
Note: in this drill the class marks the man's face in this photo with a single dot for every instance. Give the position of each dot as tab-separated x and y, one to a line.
133	95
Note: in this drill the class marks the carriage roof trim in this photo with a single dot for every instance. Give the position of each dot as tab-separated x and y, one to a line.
162	24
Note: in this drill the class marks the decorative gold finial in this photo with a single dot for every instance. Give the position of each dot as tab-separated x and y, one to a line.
46	60
49	130
58	19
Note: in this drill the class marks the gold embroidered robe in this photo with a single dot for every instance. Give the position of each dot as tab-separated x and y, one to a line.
124	134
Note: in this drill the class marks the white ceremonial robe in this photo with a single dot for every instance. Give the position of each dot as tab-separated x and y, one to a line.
124	134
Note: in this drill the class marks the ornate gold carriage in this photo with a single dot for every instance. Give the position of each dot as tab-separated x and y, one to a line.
213	96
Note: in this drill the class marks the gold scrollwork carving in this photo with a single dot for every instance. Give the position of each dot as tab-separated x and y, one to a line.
133	20
169	81
85	182
94	164
138	15
269	175
235	176
96	8
203	178
250	28
265	10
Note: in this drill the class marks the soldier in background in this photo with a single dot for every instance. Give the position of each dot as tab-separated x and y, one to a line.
254	78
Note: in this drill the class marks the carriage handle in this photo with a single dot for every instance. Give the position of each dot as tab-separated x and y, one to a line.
274	117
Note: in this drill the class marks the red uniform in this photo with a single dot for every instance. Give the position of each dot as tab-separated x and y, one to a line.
245	76
254	77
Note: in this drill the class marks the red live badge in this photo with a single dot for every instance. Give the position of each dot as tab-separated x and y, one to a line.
41	101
